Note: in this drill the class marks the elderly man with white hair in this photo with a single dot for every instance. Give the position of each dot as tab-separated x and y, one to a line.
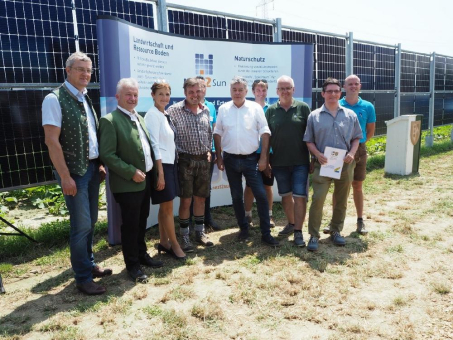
125	148
240	124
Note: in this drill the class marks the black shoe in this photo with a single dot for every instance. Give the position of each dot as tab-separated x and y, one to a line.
212	225
161	248
150	262
201	238
244	235
269	240
137	275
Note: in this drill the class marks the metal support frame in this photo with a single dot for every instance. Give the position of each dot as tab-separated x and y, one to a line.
349	57
76	30
162	21
429	139
19	232
396	107
278	30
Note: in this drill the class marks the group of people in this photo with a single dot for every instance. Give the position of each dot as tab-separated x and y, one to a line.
172	152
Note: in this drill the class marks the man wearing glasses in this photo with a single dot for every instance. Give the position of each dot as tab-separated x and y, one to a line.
240	124
70	127
367	117
259	89
290	159
334	126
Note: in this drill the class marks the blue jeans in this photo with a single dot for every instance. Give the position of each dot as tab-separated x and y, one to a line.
235	167
83	214
291	180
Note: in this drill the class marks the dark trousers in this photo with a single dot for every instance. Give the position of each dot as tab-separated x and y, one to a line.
134	213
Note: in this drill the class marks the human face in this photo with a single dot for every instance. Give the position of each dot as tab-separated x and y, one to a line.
128	98
193	95
352	86
161	98
203	90
238	92
332	94
260	93
285	91
79	80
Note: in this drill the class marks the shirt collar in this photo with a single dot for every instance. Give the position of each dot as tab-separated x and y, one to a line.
75	91
293	103
129	113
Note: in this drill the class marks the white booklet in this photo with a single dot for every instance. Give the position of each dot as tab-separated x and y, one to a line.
334	162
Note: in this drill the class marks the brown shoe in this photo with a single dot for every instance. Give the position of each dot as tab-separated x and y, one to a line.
90	288
97	271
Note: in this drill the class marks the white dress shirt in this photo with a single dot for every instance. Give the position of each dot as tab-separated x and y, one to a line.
51	115
241	127
143	139
162	135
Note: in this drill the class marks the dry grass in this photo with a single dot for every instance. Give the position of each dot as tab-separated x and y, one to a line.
396	283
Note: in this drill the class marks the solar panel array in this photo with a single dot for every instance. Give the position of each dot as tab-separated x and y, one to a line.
37	36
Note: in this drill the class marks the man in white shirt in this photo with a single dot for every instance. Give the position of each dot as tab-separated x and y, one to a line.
125	148
70	126
240	124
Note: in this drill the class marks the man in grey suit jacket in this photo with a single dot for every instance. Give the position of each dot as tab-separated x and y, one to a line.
125	148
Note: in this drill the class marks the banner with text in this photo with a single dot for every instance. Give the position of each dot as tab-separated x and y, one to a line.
127	50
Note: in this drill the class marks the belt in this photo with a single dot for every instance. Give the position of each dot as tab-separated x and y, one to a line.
201	157
239	156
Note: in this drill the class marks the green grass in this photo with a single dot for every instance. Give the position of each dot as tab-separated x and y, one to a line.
49	235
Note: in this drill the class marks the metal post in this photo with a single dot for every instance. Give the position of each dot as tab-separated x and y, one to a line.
349	57
76	30
396	108
429	140
162	21
278	37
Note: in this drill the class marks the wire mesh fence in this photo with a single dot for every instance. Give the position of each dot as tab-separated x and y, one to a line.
37	36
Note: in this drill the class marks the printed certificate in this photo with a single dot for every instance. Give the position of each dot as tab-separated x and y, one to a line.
334	162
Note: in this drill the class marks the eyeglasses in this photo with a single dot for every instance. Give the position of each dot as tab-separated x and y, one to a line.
284	88
83	70
160	81
332	91
260	81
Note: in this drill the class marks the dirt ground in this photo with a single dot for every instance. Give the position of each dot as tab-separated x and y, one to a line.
395	283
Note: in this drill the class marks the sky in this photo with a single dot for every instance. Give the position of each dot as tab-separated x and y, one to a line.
420	26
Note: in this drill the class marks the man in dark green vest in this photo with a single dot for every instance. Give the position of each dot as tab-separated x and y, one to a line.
125	148
70	127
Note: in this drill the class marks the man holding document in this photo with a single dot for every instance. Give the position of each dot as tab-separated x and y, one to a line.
332	136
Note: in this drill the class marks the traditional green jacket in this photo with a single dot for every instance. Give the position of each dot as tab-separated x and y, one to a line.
121	151
74	130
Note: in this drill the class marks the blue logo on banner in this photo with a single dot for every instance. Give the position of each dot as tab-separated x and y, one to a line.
204	66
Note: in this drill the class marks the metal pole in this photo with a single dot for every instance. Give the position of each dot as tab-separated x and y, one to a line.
76	30
429	140
396	109
278	37
349	57
162	21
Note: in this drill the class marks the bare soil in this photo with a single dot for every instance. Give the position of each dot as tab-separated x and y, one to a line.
395	283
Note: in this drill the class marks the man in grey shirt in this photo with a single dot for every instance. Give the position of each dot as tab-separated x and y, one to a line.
335	126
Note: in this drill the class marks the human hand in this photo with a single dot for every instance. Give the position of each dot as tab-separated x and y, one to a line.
68	186
139	176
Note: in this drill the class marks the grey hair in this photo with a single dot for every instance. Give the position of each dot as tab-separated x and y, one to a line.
239	80
76	56
126	82
286	78
189	82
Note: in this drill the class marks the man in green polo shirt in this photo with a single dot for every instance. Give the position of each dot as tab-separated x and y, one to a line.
287	120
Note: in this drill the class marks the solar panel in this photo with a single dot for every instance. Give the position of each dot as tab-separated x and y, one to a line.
196	24
36	38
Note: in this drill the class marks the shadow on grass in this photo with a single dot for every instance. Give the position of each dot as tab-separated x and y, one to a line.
24	318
